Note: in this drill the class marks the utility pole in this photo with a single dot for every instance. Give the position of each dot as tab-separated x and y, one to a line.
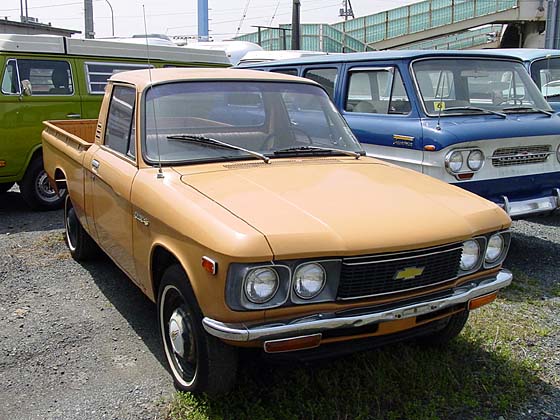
88	19
295	25
345	12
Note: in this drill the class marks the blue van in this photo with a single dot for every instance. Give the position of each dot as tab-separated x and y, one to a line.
473	119
544	68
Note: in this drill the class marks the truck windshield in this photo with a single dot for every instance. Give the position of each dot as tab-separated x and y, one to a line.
459	86
546	73
187	121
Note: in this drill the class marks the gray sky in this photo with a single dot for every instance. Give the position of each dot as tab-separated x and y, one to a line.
175	17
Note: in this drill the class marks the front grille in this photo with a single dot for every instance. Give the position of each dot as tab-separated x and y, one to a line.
377	275
521	155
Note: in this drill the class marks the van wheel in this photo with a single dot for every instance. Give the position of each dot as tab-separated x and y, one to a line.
455	325
198	361
36	189
5	187
82	247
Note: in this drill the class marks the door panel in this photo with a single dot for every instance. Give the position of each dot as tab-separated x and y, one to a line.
377	106
112	210
54	97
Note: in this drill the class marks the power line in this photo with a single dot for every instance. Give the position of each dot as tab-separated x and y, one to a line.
275	10
244	16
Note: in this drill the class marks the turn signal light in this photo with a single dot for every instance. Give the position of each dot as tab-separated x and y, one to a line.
481	301
210	265
467	175
292	344
2	163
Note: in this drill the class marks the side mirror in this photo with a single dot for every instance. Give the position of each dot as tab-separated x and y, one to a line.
26	88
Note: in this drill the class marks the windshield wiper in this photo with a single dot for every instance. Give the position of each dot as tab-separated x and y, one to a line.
311	149
213	142
528	108
475	108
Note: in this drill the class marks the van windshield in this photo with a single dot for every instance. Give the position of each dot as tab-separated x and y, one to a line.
467	86
546	74
186	121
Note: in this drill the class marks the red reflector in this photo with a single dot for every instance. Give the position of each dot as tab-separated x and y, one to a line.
210	265
292	344
430	147
481	301
468	175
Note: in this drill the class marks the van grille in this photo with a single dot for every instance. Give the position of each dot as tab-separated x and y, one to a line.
521	155
379	274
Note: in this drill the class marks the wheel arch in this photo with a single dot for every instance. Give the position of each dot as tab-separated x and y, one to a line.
162	258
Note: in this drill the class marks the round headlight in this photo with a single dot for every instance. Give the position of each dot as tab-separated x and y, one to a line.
455	161
558	153
470	255
309	280
261	285
495	248
475	160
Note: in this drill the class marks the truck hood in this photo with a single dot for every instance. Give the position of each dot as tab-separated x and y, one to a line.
312	207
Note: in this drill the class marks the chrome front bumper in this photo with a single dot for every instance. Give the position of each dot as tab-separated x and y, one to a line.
533	206
329	321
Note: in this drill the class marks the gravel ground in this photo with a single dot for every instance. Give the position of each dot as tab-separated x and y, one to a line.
76	341
79	341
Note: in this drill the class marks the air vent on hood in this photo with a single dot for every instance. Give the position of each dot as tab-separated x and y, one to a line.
282	162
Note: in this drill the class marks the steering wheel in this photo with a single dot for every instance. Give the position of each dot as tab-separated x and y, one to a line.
266	145
513	101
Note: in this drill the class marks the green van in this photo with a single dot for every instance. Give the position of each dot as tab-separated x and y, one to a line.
52	78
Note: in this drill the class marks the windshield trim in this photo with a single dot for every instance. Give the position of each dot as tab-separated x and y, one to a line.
444	115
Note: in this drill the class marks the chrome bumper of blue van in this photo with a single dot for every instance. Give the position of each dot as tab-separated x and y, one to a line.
329	321
533	206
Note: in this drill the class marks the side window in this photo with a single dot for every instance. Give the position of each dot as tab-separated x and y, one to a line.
10	83
97	74
325	77
119	131
379	91
47	77
290	72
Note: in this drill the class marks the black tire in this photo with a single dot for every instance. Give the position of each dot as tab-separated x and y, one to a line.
36	190
197	361
5	187
82	247
455	325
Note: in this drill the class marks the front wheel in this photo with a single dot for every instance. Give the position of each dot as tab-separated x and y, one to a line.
198	361
36	189
455	325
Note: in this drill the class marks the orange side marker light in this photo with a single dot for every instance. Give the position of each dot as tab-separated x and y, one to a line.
482	300
2	163
430	148
210	265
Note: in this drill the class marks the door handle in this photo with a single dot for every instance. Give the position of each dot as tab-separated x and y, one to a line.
73	115
95	165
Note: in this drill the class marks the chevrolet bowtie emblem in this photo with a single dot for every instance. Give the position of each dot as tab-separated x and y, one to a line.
408	273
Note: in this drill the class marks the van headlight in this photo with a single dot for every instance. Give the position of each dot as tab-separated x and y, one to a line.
309	280
475	160
261	284
470	257
558	153
454	161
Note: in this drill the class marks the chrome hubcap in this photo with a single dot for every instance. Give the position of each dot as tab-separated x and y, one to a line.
176	334
44	190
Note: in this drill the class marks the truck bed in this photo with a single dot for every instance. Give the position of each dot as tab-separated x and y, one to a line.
65	144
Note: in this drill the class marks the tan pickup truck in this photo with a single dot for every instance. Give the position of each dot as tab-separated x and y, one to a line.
242	204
